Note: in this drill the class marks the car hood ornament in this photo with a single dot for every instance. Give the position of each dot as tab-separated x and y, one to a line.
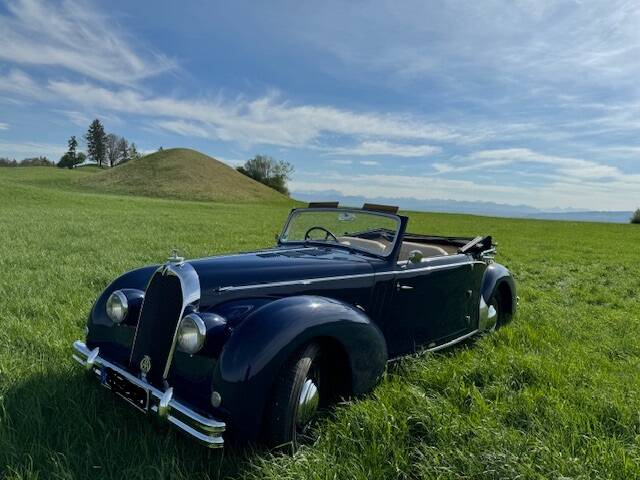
175	258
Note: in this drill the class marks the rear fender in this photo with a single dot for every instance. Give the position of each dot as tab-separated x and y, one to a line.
261	344
499	278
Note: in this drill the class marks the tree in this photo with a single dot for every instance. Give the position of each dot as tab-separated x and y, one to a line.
111	149
70	159
636	217
66	161
273	173
73	144
133	152
95	138
123	150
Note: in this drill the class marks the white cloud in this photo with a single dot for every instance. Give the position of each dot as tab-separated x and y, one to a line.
382	147
266	120
80	119
16	82
571	167
4	126
531	42
342	162
369	163
74	37
31	149
187	129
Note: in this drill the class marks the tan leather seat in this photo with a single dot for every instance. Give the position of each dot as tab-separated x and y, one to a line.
427	250
364	244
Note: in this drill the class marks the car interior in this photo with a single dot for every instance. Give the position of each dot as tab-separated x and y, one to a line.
381	246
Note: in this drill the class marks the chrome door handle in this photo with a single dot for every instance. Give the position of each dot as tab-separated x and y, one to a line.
399	287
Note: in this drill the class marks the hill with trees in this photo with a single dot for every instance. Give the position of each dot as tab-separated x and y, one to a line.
183	174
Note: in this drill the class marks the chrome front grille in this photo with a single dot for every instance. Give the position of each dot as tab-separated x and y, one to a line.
159	316
172	288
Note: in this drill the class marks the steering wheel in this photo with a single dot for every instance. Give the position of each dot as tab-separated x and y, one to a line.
326	236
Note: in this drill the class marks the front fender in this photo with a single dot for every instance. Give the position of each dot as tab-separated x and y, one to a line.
496	277
258	348
135	279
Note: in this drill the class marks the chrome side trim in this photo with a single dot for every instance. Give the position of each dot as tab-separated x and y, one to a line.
206	430
437	347
309	281
453	342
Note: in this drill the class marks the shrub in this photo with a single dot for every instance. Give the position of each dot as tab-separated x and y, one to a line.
635	218
37	162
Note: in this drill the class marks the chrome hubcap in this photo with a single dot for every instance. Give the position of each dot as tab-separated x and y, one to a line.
494	314
307	402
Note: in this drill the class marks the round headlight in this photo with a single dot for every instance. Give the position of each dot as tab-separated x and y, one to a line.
117	307
191	334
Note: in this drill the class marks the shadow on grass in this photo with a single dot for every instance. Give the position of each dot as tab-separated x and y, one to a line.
70	427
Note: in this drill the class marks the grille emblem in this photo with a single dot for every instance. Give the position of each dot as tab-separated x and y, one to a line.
145	364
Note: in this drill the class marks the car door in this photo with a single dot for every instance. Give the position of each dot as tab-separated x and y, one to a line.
432	303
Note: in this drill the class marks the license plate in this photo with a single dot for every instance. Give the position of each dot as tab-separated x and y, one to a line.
135	395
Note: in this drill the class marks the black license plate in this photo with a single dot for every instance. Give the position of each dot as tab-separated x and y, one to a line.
135	395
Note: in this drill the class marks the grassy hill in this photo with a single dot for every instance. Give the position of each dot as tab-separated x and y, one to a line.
554	394
180	173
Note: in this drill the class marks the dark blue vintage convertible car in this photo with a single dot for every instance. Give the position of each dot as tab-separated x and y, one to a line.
252	345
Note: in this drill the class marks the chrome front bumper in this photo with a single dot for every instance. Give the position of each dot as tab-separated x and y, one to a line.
207	431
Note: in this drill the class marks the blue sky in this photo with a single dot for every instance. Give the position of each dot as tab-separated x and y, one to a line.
520	102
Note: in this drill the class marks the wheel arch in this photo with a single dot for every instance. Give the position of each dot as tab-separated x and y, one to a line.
498	279
260	346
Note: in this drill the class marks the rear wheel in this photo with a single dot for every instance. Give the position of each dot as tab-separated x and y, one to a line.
500	304
494	303
298	394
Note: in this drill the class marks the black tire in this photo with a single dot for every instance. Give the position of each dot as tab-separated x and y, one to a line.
498	302
282	425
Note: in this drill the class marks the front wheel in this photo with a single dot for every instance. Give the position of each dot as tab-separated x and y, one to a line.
295	399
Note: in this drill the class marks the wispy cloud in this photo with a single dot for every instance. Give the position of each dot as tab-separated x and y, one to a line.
575	168
539	42
28	149
265	120
77	38
387	148
369	163
342	162
17	82
4	126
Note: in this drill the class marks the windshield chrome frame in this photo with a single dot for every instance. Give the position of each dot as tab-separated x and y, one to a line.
339	245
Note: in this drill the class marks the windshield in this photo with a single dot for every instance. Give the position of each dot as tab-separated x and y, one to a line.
362	230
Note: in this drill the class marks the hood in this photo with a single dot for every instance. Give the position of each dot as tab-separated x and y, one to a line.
275	265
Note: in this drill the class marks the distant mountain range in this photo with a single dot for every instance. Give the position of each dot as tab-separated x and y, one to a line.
490	209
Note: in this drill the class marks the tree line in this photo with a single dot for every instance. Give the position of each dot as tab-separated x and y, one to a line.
105	149
26	162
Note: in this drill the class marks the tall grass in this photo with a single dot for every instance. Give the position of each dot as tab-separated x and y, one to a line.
555	394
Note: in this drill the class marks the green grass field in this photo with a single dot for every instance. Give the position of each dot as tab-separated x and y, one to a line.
555	394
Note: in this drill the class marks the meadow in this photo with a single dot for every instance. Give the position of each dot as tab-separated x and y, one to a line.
554	394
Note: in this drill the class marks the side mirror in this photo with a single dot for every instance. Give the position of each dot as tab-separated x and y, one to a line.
415	256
